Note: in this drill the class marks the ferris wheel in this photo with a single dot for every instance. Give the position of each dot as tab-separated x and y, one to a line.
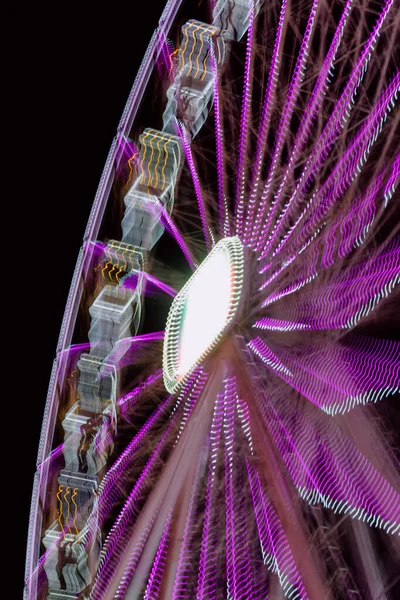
214	425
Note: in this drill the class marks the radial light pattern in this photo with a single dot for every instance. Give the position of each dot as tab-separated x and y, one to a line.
221	418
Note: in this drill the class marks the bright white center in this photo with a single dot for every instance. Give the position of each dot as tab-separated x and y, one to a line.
206	309
201	312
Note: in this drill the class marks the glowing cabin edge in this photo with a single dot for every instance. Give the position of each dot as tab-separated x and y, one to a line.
202	311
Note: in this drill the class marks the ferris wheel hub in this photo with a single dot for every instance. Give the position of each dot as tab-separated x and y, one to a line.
203	311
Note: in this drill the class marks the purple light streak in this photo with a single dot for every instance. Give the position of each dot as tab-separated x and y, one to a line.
196	182
131	281
240	579
121	355
206	582
119	535
312	108
275	546
269	100
157	570
170	225
336	122
326	467
244	125
185	556
313	370
347	168
287	112
219	138
126	402
342	303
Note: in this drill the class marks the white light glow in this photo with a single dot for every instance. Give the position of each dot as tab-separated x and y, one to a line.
206	309
202	310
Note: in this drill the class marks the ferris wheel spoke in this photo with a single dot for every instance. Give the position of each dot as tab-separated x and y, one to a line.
345	233
244	124
113	484
159	564
165	495
223	211
326	466
275	547
131	282
171	226
287	112
314	104
196	185
265	123
337	121
126	401
241	559
344	301
346	170
207	572
328	375
185	572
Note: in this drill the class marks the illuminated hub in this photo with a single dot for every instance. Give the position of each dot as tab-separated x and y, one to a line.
202	311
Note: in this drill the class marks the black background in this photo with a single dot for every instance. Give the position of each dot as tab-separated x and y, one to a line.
73	71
